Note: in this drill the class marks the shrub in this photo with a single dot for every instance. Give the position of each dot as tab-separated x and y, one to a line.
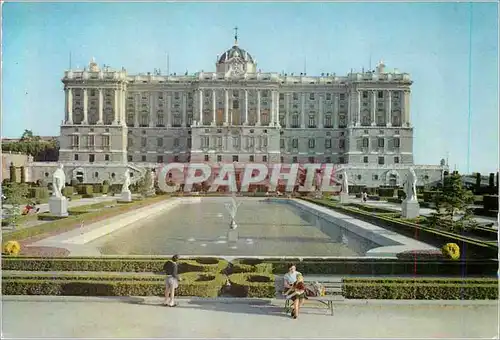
105	189
192	284
39	193
420	291
11	248
401	194
251	266
429	196
490	202
386	192
451	251
394	200
68	191
98	264
259	285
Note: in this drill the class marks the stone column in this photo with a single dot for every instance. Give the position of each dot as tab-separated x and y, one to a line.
184	109
115	107
136	113
358	110
101	102
85	107
214	107
152	109
200	97
169	109
287	110
321	99
388	112
303	112
406	108
123	109
335	118
246	107
226	107
258	108
273	108
69	106
374	106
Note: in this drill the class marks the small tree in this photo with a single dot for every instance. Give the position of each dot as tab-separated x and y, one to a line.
144	184
453	205
15	194
478	182
12	173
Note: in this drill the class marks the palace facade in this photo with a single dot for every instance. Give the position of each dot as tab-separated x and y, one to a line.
115	121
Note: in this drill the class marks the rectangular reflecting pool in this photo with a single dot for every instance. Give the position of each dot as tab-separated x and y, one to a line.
265	228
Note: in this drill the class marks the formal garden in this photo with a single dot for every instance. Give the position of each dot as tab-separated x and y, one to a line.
465	268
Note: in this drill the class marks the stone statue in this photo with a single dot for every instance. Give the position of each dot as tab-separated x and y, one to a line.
126	182
410	187
58	181
345	182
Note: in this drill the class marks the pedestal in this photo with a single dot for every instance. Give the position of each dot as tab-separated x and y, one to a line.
344	198
126	196
410	209
58	206
232	235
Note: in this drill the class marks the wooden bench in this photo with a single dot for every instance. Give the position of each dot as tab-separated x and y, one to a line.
333	292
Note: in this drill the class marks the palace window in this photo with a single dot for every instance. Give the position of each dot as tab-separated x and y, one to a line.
396	142
204	142
294	159
311	96
381	143
295	96
160	120
144	120
295	121
176	142
365	142
159	159
282	143
144	142
341	143
159	142
295	143
105	141
328	96
312	121
236	142
75	141
312	143
365	159
396	160
328	121
328	143
381	160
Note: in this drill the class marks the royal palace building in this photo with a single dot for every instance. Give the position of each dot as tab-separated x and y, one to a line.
115	120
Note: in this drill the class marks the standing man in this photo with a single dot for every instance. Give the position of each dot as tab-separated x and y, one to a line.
172	280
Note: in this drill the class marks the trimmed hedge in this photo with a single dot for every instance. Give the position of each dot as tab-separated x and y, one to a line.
419	290
192	284
475	248
73	221
257	285
386	192
99	264
490	202
40	193
251	266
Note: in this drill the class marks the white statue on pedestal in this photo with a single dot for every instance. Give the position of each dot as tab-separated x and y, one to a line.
232	209
410	187
126	182
58	181
345	182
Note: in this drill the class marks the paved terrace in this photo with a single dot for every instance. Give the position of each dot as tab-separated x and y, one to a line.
143	317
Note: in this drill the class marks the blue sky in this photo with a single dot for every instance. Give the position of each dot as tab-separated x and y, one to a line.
428	40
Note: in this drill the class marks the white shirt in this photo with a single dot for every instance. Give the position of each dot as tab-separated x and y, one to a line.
290	278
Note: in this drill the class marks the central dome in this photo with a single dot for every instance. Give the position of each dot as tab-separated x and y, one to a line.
235	52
